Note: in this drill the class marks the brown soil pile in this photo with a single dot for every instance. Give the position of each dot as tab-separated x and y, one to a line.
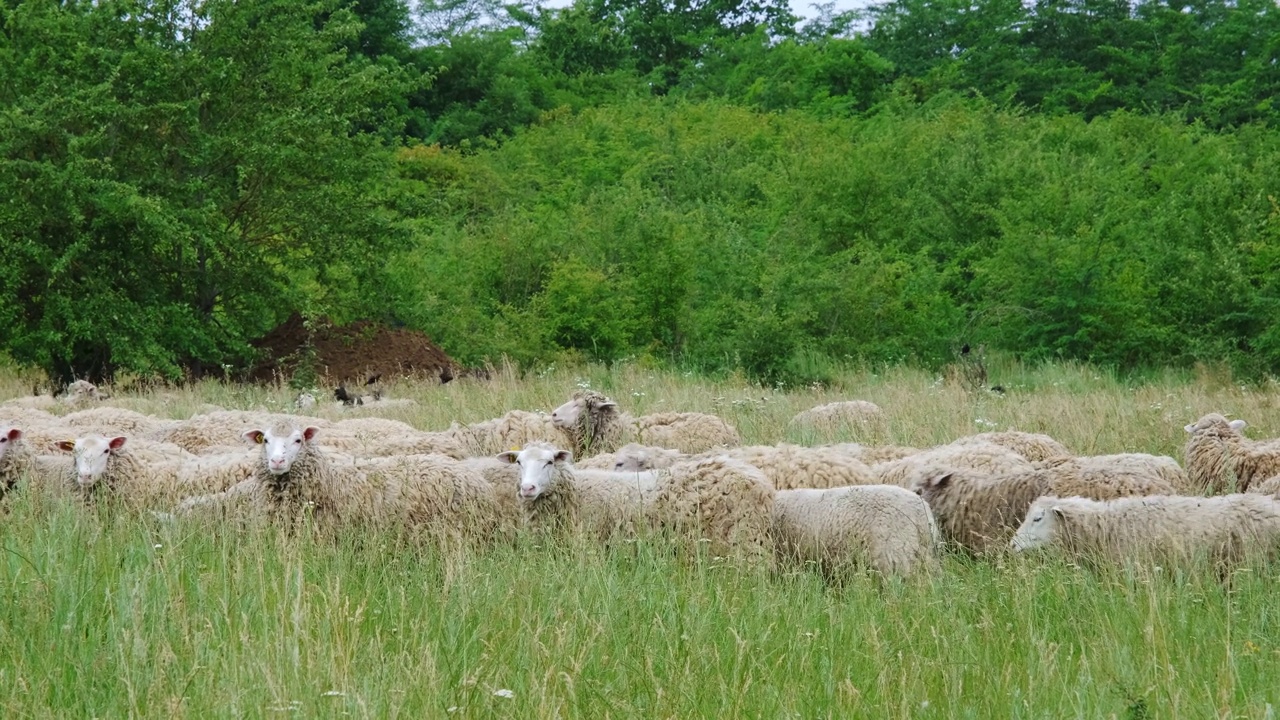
349	354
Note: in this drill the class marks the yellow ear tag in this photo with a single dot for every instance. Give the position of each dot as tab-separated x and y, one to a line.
260	439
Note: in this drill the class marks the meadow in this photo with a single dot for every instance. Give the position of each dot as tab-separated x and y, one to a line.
107	615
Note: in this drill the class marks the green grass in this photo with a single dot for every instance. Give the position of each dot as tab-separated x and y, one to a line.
113	616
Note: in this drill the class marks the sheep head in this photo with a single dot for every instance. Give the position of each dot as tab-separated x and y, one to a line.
281	445
537	462
8	436
1216	424
92	456
1038	527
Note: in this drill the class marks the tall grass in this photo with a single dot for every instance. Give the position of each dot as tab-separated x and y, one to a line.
107	615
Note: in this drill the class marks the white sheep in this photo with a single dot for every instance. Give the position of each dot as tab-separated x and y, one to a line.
221	427
873	455
77	393
979	511
633	457
18	461
882	527
107	420
795	466
380	437
515	429
146	474
1220	458
595	425
1225	529
986	458
1270	486
293	478
1032	446
846	415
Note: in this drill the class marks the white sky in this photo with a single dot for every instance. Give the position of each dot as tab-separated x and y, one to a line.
799	7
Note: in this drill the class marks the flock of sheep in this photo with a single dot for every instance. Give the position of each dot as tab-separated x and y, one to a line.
589	467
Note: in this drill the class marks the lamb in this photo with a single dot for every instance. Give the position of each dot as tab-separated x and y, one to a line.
292	478
979	512
1226	529
556	496
794	466
595	425
835	416
1219	457
1032	446
144	474
883	527
987	458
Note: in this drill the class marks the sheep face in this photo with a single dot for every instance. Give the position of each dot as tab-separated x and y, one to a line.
566	416
92	455
1038	528
281	445
8	436
537	468
1216	422
632	458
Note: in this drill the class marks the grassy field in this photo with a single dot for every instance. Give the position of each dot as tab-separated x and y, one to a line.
109	616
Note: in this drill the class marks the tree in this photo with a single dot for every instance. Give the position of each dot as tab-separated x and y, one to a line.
181	175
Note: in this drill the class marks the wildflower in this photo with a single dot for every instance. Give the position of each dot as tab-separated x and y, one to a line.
504	693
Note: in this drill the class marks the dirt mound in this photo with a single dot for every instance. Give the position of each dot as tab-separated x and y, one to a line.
348	354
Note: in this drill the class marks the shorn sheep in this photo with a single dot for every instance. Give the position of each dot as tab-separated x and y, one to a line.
595	425
980	512
882	527
1219	458
1225	529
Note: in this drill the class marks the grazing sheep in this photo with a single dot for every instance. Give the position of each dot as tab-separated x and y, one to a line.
980	512
844	415
554	495
1225	528
794	466
1032	446
726	503
1220	458
883	527
77	393
1099	467
595	425
517	428
987	458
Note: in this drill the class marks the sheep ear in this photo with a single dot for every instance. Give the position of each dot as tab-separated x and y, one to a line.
66	445
256	437
509	456
310	433
1058	512
563	456
1238	425
940	481
14	433
606	405
1190	428
116	442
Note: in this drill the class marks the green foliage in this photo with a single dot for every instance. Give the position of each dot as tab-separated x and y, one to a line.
181	176
715	236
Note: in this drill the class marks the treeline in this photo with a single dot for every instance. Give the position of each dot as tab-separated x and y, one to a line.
711	183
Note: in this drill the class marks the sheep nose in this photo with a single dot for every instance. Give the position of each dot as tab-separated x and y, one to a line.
528	489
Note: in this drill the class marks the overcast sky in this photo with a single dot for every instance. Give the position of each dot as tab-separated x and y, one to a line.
799	7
